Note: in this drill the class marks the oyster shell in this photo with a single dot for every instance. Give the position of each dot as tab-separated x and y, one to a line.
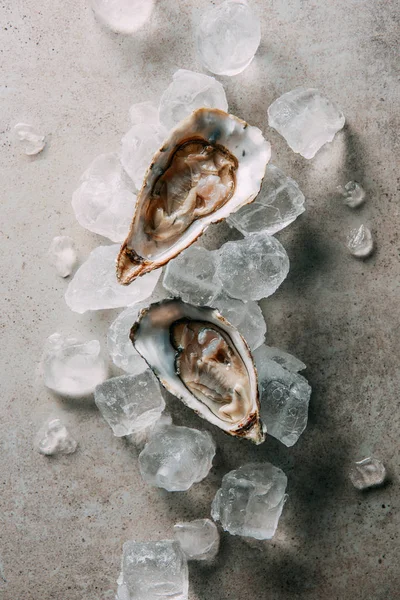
212	164
202	359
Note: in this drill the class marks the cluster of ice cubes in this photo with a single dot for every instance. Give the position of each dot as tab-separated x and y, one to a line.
54	438
73	368
284	394
227	37
250	500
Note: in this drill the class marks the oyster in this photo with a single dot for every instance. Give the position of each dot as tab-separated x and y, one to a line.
202	359
212	164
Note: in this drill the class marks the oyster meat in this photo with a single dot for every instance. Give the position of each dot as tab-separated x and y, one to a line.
212	164
202	359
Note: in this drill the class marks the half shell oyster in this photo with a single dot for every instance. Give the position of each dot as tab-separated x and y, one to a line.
202	359
212	164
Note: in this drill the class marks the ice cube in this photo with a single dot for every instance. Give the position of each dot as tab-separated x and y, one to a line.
278	204
138	148
72	368
130	403
31	141
95	284
247	317
123	16
360	242
102	203
353	194
199	539
120	347
192	276
153	571
306	119
177	457
366	473
187	92
252	268
284	359
227	37
250	500
144	112
62	255
284	398
54	438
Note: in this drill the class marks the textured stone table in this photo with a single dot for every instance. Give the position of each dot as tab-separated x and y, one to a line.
63	521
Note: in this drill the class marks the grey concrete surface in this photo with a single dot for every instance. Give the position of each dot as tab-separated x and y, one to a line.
63	521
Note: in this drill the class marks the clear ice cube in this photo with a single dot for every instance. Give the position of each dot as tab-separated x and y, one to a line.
95	284
187	92
284	359
284	398
130	403
153	571
102	203
62	255
177	457
199	539
250	500
247	317
306	119
252	268
54	438
138	148
227	37
360	242
123	16
278	204
72	368
366	473
144	112
31	141
353	194
192	276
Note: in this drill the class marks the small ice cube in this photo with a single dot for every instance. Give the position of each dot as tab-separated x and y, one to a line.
247	317
360	242
54	438
130	403
252	268
123	16
366	473
199	539
227	37
192	276
178	458
144	112
284	398
306	119
72	368
250	500
95	284
284	359
278	204
138	148
62	255
31	141
187	92
120	347
153	571
102	203
353	194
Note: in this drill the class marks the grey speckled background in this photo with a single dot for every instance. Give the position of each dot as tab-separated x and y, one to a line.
63	521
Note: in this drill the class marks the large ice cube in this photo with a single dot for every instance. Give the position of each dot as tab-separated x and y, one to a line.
102	203
153	571
284	397
306	119
72	368
278	204
187	92
177	457
252	268
250	500
95	284
130	403
227	37
247	317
